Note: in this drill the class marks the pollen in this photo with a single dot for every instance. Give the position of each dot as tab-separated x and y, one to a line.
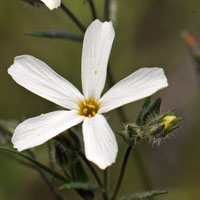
89	108
85	110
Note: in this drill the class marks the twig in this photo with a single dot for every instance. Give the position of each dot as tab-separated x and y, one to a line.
73	18
105	182
91	168
121	175
93	10
107	10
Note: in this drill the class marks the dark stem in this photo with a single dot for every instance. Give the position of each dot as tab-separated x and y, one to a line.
106	10
139	162
119	110
73	18
94	173
93	10
121	175
105	183
91	169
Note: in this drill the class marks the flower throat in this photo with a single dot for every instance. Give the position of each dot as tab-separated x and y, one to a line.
89	108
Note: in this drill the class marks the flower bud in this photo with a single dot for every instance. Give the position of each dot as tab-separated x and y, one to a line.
168	122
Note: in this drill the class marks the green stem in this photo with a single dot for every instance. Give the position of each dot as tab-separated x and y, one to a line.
105	197
91	169
138	160
105	183
93	10
107	10
121	175
73	18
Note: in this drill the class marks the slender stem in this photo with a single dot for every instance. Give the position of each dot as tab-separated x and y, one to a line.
94	173
121	175
42	174
93	10
119	110
91	168
73	18
105	183
107	10
138	159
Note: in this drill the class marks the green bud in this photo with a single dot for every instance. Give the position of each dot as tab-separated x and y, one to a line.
150	124
67	146
69	139
168	122
131	134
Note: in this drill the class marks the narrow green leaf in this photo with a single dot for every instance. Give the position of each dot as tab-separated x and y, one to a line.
34	3
81	186
42	166
57	34
142	195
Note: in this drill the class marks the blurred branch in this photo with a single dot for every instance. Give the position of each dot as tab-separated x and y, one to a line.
122	171
91	168
72	17
56	34
106	10
194	51
32	166
93	10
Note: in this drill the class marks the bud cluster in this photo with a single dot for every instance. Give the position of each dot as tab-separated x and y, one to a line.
150	124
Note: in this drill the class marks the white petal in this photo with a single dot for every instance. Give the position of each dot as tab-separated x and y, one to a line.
39	78
140	84
99	140
37	130
51	4
97	44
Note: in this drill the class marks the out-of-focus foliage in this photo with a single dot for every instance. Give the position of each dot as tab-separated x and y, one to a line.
147	34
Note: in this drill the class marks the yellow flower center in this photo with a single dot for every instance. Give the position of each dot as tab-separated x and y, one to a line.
89	108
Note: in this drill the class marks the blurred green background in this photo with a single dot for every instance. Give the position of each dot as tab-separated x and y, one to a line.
147	34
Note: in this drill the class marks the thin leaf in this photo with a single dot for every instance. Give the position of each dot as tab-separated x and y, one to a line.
142	195
81	186
56	34
42	166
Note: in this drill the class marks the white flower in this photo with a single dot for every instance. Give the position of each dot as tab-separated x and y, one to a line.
99	140
51	4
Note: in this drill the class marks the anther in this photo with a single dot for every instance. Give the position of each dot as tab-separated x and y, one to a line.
84	103
89	115
85	110
93	113
91	106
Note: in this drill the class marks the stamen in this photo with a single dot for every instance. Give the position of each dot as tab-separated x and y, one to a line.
85	110
91	106
95	72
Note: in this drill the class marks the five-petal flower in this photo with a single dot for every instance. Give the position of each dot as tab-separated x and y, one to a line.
51	4
99	140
